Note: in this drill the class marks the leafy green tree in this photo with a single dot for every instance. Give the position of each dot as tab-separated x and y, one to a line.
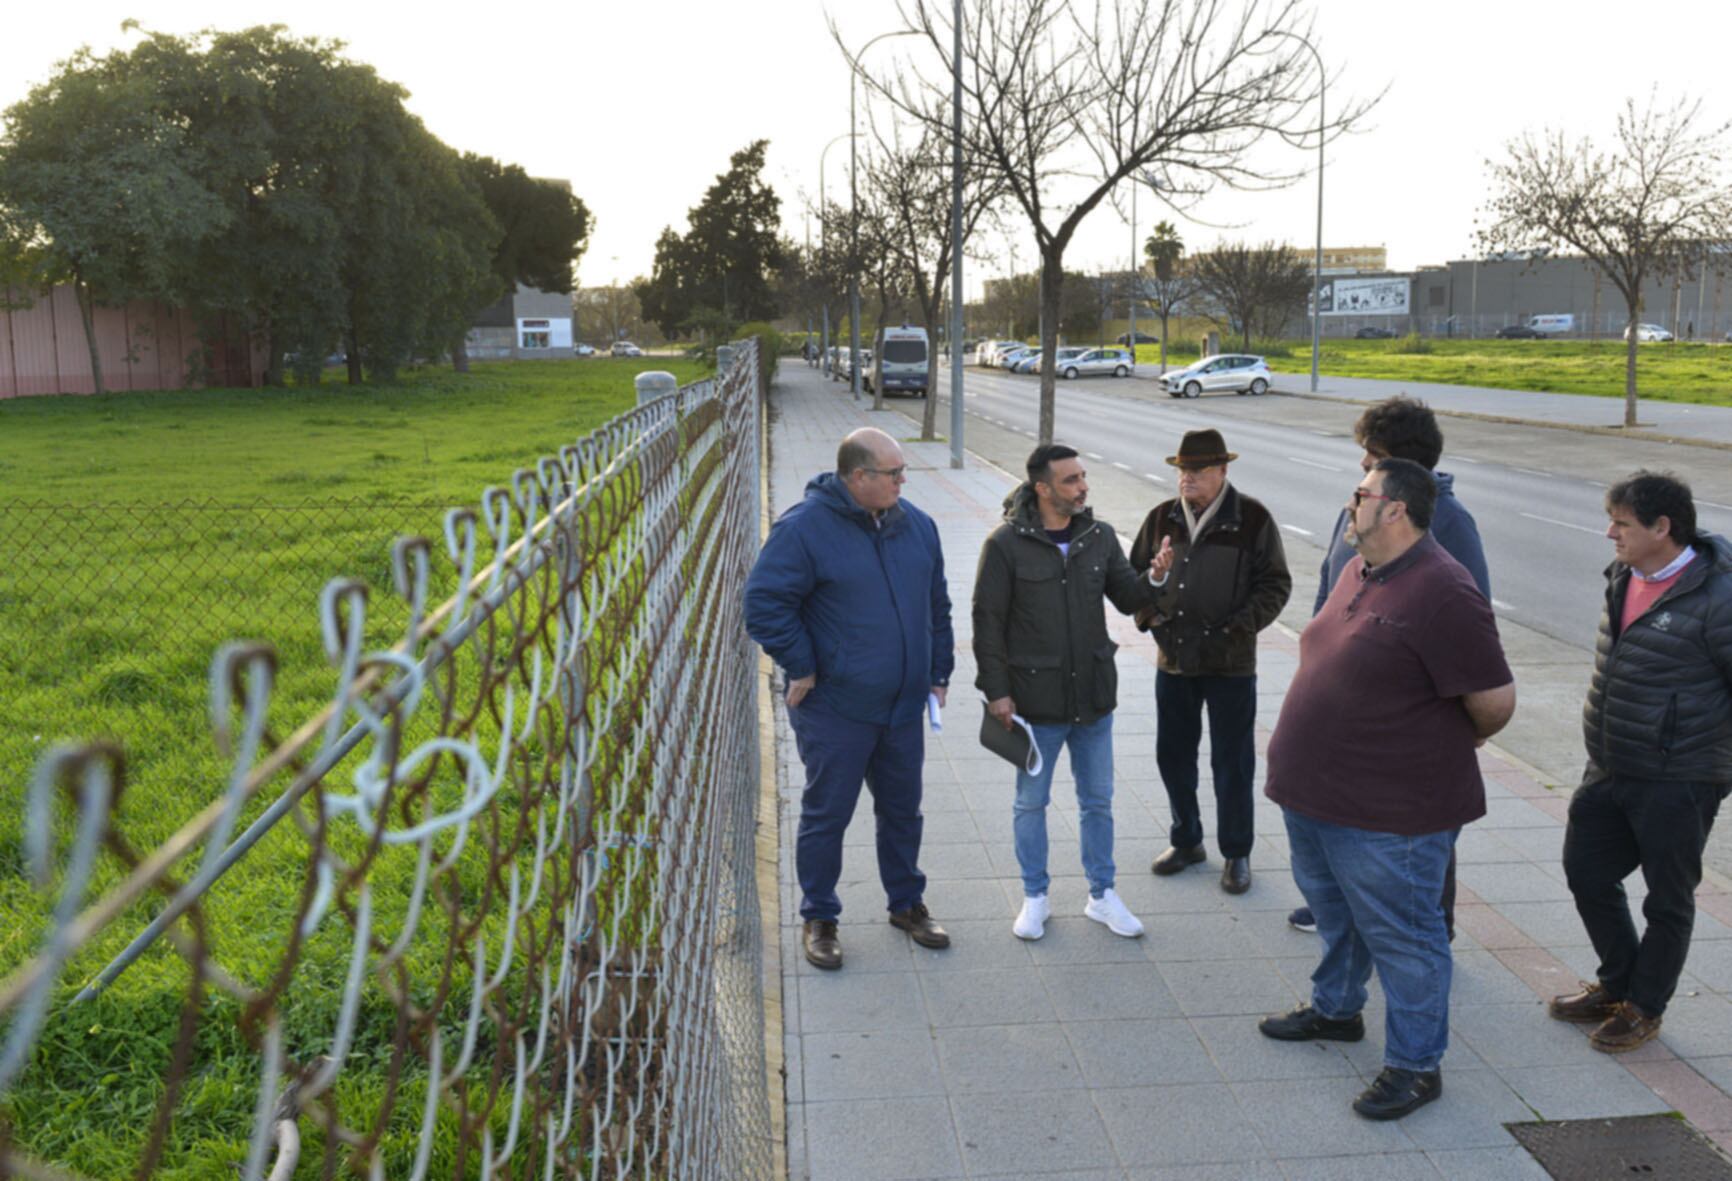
98	188
543	229
1173	287
726	261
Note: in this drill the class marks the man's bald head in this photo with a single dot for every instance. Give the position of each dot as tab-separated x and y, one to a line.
867	447
869	463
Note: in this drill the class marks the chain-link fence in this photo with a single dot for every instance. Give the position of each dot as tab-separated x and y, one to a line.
488	908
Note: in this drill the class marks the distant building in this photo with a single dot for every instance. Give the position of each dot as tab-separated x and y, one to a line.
522	324
1353	260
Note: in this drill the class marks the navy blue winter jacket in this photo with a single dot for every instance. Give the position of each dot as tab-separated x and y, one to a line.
861	603
1451	524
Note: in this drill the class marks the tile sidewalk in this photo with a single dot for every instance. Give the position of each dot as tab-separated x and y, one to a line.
1085	1055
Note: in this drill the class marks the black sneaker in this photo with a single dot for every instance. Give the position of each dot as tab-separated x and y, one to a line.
1303	920
1306	1024
1396	1092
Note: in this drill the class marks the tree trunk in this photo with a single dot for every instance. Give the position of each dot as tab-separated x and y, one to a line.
460	354
87	313
1164	314
354	359
1630	343
1051	287
274	364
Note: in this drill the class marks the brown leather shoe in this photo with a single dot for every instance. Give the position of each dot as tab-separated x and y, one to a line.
823	949
1591	1006
917	921
1624	1030
1175	859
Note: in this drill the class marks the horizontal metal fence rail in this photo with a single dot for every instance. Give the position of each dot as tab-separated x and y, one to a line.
523	937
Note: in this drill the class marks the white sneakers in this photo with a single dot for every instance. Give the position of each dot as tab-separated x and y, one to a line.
1031	922
1110	909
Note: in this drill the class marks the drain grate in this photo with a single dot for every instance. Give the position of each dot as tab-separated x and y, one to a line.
1651	1146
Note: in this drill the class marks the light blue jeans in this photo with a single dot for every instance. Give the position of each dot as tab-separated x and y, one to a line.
1378	901
1091	761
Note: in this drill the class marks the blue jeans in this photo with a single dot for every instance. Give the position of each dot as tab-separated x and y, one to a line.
1377	898
1091	761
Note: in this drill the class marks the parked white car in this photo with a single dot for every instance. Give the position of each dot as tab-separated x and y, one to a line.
992	353
1239	372
584	350
625	348
1114	362
1645	333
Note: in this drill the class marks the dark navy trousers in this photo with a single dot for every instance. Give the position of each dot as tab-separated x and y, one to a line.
1231	703
840	755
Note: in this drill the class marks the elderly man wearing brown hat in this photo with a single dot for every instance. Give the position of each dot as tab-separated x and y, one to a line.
1216	554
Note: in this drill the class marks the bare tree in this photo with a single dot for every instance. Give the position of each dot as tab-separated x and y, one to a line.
1067	99
1256	288
1646	209
910	179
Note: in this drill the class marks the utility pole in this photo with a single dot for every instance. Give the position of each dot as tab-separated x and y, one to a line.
955	239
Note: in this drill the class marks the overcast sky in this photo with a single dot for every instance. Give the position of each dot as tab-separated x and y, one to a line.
641	104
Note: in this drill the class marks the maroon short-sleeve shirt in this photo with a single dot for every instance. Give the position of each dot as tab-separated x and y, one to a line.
1372	733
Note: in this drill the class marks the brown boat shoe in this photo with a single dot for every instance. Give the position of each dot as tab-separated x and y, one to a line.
1625	1030
1593	1005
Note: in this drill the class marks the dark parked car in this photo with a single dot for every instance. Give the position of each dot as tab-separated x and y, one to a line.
1518	332
1142	338
1372	332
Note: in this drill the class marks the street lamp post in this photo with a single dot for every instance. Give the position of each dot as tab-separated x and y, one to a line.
854	207
823	243
1317	262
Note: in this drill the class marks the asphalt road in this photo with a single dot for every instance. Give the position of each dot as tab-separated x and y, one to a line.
1539	511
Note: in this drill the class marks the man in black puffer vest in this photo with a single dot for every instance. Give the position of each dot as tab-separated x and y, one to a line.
1658	724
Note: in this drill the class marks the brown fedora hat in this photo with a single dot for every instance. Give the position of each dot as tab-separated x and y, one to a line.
1202	449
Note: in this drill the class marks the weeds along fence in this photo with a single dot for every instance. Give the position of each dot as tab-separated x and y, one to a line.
488	908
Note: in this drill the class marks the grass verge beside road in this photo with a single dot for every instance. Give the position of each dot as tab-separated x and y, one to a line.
108	622
1695	372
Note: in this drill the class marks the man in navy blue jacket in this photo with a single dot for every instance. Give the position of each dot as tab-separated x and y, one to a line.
848	597
1405	428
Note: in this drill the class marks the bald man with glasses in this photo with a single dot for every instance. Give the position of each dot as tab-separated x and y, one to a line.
848	597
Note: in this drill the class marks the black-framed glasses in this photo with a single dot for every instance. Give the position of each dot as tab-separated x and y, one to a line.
895	473
1360	496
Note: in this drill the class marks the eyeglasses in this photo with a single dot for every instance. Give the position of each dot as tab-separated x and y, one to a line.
1360	496
895	473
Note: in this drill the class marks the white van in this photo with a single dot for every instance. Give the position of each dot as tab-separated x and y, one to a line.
901	361
1553	325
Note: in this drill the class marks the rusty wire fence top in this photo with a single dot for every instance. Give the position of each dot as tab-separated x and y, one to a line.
490	911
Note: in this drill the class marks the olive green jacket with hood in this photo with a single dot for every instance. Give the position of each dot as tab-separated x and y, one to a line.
1040	629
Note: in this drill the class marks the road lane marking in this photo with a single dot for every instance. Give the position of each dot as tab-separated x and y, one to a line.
1565	524
1155	478
1312	463
1531	472
1325	434
1094	455
1465	458
1299	531
1712	504
1501	605
1124	467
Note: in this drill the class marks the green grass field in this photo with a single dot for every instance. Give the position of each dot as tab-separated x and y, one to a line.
1698	373
240	505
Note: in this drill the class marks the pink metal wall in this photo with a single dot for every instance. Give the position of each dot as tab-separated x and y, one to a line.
143	346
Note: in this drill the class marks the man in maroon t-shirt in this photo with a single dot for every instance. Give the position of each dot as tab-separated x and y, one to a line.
1401	676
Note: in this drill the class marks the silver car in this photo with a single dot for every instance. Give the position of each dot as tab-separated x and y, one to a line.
1239	372
1116	362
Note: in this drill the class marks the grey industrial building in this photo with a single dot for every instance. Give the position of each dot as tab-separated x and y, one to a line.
1476	297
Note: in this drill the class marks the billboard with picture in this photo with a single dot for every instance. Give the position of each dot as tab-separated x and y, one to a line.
1386	296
